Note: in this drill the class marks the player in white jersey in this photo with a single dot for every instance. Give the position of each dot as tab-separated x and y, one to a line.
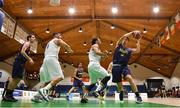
50	70
95	70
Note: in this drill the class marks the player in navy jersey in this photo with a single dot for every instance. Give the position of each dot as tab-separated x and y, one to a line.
77	80
120	68
19	68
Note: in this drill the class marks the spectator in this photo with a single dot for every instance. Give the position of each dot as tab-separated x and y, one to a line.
163	91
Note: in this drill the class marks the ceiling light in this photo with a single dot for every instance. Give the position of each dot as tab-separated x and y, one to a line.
87	51
47	30
111	43
144	30
80	30
114	10
112	27
110	52
65	52
30	11
155	8
71	10
84	43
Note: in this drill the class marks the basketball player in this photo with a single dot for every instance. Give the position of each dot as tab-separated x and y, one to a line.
77	80
95	70
121	57
19	68
6	86
50	70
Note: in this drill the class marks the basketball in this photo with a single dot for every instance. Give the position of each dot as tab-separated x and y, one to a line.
136	35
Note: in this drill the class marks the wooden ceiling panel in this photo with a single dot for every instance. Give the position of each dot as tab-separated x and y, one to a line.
95	18
136	7
42	7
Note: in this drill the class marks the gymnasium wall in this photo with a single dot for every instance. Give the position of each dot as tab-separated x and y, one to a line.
175	79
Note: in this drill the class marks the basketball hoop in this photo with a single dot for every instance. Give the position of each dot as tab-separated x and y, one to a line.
54	2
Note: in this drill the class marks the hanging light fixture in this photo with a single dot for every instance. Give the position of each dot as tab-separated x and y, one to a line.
156	8
65	52
80	30
110	52
84	43
114	10
112	26
47	30
71	10
87	51
144	30
111	43
30	10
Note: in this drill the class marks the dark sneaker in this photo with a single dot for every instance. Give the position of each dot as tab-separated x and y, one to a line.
84	100
139	100
9	99
95	94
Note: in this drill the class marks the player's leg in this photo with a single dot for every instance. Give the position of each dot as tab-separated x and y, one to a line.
127	74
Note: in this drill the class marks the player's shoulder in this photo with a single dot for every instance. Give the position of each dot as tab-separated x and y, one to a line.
26	43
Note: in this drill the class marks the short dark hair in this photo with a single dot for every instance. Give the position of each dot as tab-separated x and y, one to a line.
29	36
55	33
94	41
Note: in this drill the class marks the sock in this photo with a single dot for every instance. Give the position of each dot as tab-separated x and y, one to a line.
121	95
49	86
9	93
102	83
99	87
85	95
137	94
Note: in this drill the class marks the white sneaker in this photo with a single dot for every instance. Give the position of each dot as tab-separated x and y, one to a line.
44	93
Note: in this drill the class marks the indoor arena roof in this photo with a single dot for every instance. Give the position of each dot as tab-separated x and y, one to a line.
95	18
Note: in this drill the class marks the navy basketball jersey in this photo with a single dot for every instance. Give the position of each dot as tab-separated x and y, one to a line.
20	56
79	72
121	55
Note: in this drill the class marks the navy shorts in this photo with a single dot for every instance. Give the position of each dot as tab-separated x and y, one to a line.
78	83
18	68
118	71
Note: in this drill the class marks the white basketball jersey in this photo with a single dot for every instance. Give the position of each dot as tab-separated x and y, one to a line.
52	50
93	57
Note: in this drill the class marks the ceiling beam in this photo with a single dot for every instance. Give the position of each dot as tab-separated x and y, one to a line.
93	9
92	17
144	38
2	58
68	29
98	29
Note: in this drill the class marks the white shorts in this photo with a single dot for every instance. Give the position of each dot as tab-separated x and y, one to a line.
50	70
96	72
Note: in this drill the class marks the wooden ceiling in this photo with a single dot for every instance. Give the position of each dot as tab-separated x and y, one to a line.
95	17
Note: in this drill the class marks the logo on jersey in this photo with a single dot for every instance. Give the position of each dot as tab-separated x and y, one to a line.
123	52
